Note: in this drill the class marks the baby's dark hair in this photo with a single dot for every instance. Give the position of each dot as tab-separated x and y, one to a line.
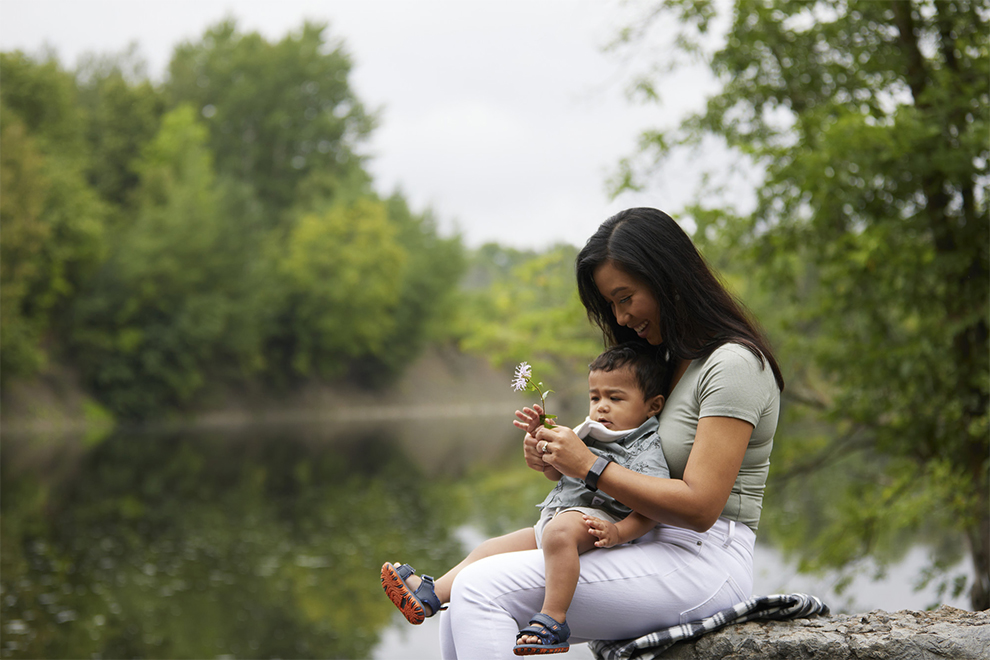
648	363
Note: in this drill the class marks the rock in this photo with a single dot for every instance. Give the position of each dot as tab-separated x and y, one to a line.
943	634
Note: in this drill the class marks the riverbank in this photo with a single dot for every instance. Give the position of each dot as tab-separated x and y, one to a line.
443	382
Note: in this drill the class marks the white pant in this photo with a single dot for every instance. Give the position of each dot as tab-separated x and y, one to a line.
669	576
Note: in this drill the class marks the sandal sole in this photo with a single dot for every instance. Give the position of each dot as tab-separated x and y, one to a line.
532	649
401	596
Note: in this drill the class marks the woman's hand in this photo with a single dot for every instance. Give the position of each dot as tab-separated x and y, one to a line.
564	451
534	458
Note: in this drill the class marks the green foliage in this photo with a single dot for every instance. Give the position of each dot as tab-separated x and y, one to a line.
279	113
872	231
342	270
123	112
44	97
176	296
426	306
24	235
51	221
364	285
528	310
234	239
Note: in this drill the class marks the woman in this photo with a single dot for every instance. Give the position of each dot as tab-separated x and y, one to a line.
641	278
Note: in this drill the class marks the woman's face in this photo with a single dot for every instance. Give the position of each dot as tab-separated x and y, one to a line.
632	302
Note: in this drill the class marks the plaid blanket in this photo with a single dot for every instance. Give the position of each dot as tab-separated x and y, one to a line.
777	606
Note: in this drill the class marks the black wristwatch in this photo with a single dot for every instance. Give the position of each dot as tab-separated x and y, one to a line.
591	480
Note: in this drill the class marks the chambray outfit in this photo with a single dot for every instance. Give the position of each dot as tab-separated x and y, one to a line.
668	576
637	449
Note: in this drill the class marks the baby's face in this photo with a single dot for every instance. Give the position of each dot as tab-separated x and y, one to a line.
617	401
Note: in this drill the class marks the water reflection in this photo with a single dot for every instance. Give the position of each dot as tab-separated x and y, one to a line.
267	541
258	543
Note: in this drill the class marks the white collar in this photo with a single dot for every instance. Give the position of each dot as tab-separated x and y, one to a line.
599	431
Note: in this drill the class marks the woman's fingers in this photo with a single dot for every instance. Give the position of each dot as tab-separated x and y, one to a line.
532	455
565	451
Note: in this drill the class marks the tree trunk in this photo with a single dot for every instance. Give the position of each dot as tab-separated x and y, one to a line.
979	543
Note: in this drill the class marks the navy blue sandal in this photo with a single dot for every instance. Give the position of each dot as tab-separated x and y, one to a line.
552	633
410	602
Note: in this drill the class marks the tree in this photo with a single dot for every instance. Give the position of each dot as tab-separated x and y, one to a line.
122	112
341	273
278	113
51	222
180	296
872	225
524	306
426	307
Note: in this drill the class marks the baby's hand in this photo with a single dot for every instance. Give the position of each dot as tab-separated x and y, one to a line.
529	419
607	533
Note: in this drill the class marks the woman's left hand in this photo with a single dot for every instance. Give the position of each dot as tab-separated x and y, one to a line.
565	451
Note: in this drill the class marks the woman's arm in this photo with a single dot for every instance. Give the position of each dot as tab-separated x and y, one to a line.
695	501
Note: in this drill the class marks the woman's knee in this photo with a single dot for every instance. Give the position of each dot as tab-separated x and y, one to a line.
502	576
473	583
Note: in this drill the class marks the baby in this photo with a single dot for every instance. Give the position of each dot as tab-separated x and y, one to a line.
626	386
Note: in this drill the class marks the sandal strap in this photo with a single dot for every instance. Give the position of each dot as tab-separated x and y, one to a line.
426	595
548	629
425	591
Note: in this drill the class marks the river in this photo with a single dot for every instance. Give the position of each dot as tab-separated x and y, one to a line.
266	540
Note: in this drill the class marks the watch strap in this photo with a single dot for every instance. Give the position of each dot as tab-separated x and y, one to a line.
591	480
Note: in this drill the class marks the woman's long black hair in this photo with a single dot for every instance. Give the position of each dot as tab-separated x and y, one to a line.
697	313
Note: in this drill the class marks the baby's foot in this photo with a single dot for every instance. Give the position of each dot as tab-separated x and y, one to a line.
527	639
533	639
556	631
413	582
400	584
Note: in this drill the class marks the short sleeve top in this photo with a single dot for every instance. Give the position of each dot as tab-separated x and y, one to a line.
639	450
731	382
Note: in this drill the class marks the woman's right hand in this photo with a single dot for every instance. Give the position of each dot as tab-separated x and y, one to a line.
564	451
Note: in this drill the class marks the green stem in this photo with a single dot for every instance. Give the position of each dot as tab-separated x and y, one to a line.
543	403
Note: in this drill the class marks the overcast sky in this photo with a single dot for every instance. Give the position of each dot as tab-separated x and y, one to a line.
505	117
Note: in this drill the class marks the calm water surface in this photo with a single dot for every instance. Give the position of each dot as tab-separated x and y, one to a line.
267	542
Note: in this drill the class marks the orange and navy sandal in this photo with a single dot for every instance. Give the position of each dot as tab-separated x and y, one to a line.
552	633
408	601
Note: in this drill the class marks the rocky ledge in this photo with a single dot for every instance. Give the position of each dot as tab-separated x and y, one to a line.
945	633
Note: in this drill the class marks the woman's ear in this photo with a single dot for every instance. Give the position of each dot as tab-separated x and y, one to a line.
656	404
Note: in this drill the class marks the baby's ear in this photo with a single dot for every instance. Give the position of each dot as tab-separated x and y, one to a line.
656	404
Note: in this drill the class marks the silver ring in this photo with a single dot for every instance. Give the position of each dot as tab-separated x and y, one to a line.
543	449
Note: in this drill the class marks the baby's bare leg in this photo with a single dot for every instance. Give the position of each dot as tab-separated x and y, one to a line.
564	538
522	539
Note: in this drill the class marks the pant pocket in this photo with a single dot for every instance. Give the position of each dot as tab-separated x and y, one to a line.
727	595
